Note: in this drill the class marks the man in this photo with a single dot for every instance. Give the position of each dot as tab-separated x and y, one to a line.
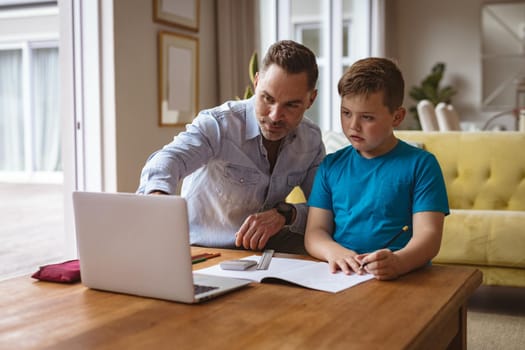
377	205
240	160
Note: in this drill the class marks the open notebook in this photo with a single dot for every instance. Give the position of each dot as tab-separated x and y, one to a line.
137	244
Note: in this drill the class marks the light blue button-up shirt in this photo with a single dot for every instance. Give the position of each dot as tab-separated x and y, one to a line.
226	171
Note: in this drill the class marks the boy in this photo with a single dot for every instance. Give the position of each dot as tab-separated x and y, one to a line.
364	194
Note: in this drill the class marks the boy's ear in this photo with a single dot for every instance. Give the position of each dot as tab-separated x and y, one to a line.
399	116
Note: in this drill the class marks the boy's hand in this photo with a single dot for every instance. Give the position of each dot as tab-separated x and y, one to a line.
343	259
383	264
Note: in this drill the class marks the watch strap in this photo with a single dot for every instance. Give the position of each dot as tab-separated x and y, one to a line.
286	210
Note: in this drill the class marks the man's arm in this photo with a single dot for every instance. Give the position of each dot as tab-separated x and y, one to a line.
188	151
320	244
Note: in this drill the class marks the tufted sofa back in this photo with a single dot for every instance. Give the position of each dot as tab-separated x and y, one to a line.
482	170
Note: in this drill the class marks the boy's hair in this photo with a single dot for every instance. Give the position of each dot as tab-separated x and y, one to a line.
294	58
371	75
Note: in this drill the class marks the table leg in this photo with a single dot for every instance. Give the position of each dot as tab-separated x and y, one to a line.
460	339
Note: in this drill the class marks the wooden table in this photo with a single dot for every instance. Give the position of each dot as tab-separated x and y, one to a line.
425	309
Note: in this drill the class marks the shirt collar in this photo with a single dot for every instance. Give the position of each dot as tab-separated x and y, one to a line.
252	127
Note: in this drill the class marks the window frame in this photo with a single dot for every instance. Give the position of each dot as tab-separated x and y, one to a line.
279	26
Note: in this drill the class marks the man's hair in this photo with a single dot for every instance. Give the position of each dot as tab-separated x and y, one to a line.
371	75
294	58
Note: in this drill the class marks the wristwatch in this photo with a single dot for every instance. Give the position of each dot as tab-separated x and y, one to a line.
286	210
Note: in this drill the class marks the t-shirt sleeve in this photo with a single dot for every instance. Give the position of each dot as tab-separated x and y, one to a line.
321	195
430	193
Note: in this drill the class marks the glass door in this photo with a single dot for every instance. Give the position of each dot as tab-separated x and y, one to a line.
337	31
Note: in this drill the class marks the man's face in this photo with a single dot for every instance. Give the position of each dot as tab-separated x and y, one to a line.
280	101
368	124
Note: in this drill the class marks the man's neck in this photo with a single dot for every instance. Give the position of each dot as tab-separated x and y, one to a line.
272	148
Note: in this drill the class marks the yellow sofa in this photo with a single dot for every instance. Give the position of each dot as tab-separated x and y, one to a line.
485	178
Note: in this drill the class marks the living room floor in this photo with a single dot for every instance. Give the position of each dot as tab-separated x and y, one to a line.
32	229
32	233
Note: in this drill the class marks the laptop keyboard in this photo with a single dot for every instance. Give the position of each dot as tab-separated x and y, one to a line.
202	289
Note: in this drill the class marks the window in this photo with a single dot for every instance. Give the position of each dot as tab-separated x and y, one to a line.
502	54
337	31
29	100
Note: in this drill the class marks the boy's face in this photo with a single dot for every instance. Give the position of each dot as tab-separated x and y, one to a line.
368	124
280	101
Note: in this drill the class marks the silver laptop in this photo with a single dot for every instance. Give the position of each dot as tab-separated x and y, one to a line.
137	244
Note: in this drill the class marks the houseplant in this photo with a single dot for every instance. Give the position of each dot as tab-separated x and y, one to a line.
253	67
430	89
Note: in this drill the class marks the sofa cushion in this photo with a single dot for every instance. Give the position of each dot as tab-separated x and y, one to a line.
334	140
483	237
482	170
503	276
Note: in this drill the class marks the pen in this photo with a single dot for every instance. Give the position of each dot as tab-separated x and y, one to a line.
403	229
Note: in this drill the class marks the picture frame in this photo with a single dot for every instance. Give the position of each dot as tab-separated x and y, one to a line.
178	76
182	14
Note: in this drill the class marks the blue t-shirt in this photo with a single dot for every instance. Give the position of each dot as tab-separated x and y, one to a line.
372	199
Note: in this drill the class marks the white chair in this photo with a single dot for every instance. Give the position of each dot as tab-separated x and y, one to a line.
447	117
427	116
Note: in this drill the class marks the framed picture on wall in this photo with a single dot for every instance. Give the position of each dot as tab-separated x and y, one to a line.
183	14
178	78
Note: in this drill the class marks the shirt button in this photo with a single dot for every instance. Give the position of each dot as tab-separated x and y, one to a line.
242	180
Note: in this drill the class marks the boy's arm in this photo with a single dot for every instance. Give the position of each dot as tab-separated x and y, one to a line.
425	242
422	248
320	244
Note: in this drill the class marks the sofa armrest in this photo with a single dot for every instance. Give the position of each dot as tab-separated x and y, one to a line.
483	237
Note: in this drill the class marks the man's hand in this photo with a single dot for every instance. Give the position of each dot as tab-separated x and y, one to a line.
258	228
157	192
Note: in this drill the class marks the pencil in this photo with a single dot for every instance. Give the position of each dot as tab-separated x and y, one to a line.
198	260
403	229
203	257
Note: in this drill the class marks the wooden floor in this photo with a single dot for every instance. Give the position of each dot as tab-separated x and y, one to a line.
32	234
32	229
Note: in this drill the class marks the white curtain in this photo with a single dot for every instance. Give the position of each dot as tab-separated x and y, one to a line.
11	111
236	28
44	110
46	116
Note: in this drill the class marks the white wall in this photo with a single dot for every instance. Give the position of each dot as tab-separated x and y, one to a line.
135	50
421	33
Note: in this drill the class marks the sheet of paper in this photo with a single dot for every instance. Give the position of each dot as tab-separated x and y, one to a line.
318	276
310	274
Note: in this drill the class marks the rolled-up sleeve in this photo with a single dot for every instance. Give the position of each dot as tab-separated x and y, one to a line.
187	152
